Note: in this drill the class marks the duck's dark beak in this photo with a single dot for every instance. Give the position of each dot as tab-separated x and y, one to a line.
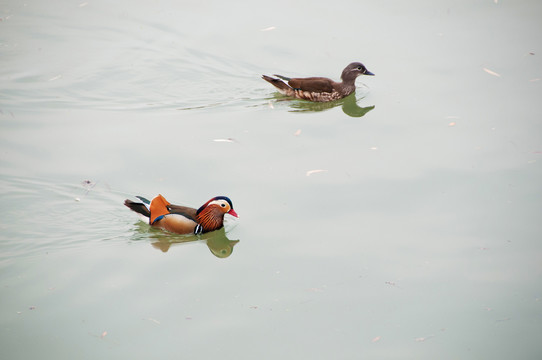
367	72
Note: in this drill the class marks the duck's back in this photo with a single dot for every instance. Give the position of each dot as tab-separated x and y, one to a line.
312	84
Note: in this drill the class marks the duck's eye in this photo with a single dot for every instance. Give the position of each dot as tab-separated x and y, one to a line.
360	68
223	205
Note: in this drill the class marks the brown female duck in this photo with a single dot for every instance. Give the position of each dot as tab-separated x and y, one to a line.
320	89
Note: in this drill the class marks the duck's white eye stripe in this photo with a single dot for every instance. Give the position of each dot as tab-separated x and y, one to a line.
218	202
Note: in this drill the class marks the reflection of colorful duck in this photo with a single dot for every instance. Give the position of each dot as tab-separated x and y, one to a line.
216	241
182	219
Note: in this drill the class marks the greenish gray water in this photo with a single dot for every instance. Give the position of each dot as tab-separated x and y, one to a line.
402	222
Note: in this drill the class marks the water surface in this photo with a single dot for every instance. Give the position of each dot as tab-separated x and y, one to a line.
401	222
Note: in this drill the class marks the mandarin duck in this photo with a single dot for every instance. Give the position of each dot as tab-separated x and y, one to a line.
320	89
182	219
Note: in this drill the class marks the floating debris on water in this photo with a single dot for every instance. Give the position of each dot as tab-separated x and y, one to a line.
421	339
376	339
491	72
310	172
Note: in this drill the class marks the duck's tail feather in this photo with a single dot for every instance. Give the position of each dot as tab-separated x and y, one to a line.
146	202
279	84
285	78
140	208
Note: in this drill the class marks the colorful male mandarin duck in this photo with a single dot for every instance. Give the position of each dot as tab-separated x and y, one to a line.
181	219
320	89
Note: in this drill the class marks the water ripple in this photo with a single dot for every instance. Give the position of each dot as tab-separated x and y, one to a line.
40	216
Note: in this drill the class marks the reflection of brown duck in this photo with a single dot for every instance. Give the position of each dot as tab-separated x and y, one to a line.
348	104
320	89
216	241
181	219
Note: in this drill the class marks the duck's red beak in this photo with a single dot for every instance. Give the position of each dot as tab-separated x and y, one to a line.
233	213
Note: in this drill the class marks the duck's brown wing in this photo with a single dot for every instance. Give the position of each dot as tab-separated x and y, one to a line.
312	84
185	211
